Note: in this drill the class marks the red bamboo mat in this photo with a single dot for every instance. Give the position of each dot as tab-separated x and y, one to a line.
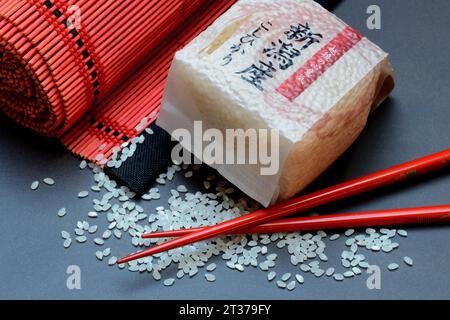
100	84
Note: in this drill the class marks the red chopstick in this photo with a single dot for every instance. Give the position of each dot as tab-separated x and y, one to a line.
395	217
341	191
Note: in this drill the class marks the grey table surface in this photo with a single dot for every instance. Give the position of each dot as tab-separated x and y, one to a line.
414	122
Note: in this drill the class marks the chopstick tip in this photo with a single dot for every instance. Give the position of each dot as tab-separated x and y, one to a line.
130	257
121	261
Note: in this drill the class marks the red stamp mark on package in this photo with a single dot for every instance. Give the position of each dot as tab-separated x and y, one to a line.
319	63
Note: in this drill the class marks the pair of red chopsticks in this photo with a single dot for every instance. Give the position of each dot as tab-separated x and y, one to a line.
255	221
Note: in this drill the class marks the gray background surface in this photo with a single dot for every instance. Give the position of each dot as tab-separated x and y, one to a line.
413	123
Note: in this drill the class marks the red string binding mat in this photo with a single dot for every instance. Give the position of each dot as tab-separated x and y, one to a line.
88	71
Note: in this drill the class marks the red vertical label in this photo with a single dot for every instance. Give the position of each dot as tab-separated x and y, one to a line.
319	63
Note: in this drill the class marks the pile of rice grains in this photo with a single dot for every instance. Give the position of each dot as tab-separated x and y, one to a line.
127	220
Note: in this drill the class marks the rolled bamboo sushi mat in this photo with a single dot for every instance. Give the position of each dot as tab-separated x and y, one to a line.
98	84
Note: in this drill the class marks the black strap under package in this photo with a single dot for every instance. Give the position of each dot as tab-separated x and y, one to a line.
150	159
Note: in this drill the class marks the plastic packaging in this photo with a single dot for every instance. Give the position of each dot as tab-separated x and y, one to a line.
288	66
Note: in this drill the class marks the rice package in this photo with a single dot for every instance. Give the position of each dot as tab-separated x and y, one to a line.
287	66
